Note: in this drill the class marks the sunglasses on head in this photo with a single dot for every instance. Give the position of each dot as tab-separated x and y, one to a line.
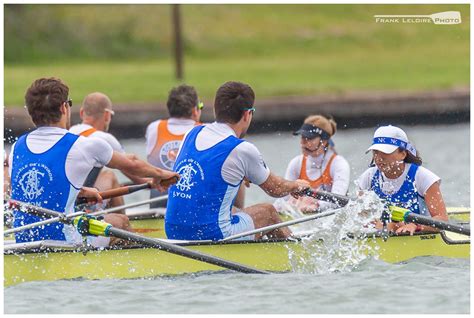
252	109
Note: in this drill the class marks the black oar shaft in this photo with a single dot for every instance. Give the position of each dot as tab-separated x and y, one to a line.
340	200
428	221
179	250
162	245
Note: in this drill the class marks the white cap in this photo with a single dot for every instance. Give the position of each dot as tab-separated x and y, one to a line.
388	138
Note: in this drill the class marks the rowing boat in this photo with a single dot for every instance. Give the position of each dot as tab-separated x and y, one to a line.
52	260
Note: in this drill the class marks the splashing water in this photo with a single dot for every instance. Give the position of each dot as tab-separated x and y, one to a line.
338	243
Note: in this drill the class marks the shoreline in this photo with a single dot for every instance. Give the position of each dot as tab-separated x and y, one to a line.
351	110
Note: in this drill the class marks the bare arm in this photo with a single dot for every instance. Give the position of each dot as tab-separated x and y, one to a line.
278	187
435	204
239	201
129	164
135	179
6	178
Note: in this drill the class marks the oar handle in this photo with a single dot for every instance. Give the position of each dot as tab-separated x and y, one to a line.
116	192
168	182
340	200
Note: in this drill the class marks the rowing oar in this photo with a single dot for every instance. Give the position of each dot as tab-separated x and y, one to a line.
282	224
340	200
96	227
17	205
117	192
400	214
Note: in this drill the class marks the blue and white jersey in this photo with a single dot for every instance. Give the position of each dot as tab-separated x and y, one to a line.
40	179
199	205
407	196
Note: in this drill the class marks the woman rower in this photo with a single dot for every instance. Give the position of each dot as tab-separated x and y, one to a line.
319	164
399	178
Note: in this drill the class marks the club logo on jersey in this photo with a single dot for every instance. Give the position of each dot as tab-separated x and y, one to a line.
31	179
189	171
168	153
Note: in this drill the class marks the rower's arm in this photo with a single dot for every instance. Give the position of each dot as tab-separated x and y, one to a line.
278	187
135	179
6	178
131	165
435	203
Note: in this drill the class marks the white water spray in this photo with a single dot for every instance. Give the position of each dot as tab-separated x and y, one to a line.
338	243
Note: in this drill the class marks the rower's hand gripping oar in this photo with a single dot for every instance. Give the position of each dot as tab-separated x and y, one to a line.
116	192
397	214
404	215
88	225
126	190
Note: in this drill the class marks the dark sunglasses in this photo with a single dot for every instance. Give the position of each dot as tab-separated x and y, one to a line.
69	102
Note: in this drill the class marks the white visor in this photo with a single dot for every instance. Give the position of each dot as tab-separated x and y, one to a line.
388	149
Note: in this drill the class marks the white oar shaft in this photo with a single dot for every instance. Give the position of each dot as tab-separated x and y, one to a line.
29	226
73	215
130	205
279	225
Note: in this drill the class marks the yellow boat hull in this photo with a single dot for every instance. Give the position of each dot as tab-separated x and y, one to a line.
275	256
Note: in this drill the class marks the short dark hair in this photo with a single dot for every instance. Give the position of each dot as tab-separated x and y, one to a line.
181	101
44	98
231	100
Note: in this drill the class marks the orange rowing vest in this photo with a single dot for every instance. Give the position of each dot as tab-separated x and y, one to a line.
166	148
324	181
88	132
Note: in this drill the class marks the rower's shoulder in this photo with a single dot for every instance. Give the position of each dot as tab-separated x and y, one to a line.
247	146
368	173
153	124
339	159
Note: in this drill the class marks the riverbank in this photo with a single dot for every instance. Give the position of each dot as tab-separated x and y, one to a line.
351	110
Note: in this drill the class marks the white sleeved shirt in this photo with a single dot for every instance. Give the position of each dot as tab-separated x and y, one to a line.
424	179
244	161
109	138
85	153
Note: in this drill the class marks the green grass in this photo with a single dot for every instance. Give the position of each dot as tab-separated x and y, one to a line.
279	50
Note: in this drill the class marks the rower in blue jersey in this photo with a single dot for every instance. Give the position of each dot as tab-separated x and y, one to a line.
48	166
213	161
399	178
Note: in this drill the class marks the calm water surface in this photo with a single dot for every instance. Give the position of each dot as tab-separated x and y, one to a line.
422	285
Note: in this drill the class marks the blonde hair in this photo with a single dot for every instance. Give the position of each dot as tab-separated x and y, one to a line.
325	123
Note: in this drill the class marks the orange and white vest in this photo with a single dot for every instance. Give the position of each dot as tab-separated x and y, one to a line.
324	182
166	148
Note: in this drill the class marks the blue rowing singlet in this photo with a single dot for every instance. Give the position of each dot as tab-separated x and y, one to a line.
40	179
407	196
199	205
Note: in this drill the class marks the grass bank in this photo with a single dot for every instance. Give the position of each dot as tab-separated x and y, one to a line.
280	50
